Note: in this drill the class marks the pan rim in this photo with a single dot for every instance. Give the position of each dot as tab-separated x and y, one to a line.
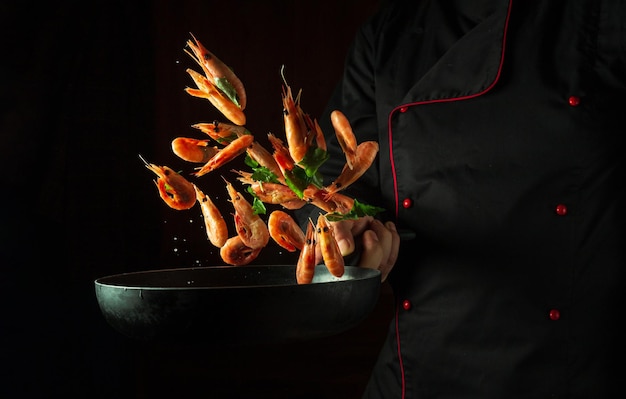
115	281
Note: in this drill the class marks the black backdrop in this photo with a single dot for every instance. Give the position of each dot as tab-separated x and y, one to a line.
87	87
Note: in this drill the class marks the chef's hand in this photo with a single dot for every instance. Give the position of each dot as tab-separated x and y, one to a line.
381	242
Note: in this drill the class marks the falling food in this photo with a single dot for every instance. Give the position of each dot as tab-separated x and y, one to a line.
285	231
193	150
250	227
176	191
216	227
285	175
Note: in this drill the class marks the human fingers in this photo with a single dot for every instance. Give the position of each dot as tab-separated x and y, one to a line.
372	251
346	230
343	232
380	247
394	249
385	238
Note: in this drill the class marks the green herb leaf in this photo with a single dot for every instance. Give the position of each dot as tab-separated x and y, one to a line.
260	173
257	205
359	209
296	180
251	162
228	89
313	159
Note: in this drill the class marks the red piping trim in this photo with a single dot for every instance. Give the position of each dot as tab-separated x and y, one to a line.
395	180
400	362
441	100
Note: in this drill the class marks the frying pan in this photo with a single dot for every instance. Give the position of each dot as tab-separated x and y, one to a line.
238	305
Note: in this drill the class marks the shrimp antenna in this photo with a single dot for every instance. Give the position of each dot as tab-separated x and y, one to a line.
143	159
282	74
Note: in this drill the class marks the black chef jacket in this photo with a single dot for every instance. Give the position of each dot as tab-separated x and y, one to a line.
500	126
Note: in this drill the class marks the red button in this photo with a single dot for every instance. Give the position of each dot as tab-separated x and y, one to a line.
406	304
407	203
554	314
404	109
573	101
561	210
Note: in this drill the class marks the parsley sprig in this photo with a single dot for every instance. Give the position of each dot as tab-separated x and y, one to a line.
303	174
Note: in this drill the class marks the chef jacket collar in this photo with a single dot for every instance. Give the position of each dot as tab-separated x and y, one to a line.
471	66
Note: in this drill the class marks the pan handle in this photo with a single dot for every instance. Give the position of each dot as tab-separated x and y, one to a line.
406	234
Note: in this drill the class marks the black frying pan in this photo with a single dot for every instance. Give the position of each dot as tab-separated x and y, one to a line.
242	305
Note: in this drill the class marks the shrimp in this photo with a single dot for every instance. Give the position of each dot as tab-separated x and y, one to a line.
342	203
319	198
206	89
345	136
285	231
365	154
216	227
281	154
293	204
216	70
305	267
227	132
236	253
320	140
250	227
263	157
193	150
295	126
273	193
330	203
329	248
221	132
270	193
177	192
226	154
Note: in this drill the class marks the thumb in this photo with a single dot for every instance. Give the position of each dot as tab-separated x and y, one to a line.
344	237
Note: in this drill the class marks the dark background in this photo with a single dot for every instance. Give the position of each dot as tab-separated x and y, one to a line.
84	89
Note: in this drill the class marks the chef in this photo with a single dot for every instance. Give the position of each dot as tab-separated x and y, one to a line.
500	125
